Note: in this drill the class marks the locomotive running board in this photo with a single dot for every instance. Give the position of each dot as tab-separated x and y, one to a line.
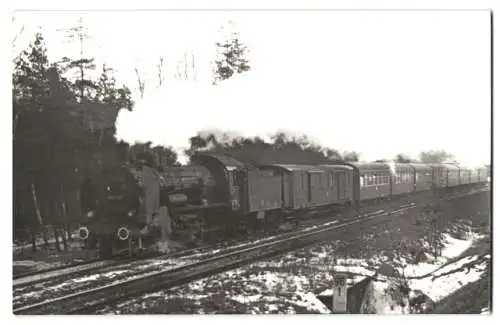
198	207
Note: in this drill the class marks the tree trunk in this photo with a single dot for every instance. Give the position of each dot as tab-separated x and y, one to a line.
64	212
45	238
65	243
39	215
33	240
35	202
68	232
56	236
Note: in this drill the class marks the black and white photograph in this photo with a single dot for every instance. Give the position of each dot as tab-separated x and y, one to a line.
251	161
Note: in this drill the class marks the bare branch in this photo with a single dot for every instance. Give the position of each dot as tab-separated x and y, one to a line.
140	82
160	72
193	66
185	66
17	35
179	76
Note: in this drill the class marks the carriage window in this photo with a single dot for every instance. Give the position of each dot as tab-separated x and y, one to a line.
362	180
370	180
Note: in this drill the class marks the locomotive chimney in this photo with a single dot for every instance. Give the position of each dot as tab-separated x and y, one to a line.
122	152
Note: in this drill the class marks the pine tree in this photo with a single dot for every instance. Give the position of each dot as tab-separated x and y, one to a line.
30	83
37	126
54	146
84	86
231	57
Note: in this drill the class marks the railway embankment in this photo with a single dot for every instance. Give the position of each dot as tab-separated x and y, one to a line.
424	260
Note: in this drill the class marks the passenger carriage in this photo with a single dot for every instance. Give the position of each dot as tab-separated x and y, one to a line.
439	175
301	184
453	175
403	178
483	174
422	176
465	175
374	180
339	185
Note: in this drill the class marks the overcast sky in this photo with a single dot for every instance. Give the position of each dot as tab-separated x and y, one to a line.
379	82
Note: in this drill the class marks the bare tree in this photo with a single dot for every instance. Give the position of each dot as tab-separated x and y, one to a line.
160	72
193	66
140	82
17	36
79	33
185	66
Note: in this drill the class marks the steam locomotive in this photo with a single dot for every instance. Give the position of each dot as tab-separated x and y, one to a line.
133	207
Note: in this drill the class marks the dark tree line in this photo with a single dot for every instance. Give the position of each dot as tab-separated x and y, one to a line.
61	135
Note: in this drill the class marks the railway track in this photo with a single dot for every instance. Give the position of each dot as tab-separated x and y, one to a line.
37	290
84	301
86	267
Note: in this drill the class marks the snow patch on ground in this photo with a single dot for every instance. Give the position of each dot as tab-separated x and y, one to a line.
377	300
440	286
455	247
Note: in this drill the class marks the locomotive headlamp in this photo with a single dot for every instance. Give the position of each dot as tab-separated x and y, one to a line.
131	213
83	232
123	233
90	214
